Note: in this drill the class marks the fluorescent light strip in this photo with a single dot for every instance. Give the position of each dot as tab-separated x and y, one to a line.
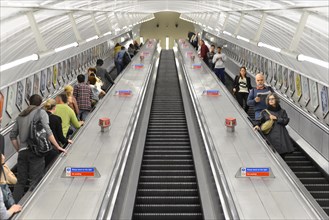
92	38
141	39
242	38
210	28
167	43
19	62
227	33
302	57
260	44
108	33
75	44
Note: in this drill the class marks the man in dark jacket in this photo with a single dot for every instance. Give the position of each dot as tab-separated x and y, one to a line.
29	165
103	75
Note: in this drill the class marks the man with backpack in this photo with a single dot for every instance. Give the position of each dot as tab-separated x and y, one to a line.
30	166
122	59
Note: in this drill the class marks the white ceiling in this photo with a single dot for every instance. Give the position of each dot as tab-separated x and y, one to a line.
282	21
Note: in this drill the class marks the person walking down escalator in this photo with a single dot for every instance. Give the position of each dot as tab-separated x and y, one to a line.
241	88
277	135
122	59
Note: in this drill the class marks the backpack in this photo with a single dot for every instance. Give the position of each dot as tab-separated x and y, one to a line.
38	138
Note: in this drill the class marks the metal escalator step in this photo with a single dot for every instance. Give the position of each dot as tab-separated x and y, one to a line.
168	208
323	201
317	187
299	163
319	180
168	172
167	148
295	158
168	162
166	167
181	143
170	135
174	152
303	168
308	174
320	194
167	178
170	139
167	192
167	185
167	199
168	156
297	153
166	216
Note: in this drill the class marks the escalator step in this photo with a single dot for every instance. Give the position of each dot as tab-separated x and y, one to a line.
168	156
299	163
295	158
323	202
168	208
308	174
317	180
174	152
320	194
168	172
303	168
167	199
168	162
167	192
166	216
167	147
166	167
167	185
167	178
181	143
317	187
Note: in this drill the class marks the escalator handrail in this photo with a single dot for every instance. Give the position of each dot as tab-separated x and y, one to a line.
229	208
108	202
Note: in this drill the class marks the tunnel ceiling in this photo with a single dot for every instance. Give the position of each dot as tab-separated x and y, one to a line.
297	27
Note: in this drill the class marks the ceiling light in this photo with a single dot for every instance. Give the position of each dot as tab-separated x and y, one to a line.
227	33
75	44
108	33
302	57
260	44
19	62
210	28
92	38
242	38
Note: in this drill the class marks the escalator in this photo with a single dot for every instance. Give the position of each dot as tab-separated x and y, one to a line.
167	186
309	173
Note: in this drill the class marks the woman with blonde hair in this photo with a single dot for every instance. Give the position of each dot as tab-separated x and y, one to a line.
71	101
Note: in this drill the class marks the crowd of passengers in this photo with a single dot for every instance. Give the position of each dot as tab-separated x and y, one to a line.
69	110
265	103
60	117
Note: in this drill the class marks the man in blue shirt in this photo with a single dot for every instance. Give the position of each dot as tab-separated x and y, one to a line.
258	95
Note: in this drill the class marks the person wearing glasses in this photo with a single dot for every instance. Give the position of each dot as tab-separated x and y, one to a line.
278	135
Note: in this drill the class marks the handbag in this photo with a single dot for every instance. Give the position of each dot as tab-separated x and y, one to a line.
8	198
267	126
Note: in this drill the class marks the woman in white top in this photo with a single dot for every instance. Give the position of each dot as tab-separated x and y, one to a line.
241	88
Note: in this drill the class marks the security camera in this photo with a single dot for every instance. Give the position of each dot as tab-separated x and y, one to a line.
158	25
176	25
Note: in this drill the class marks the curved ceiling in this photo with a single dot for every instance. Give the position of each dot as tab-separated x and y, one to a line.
295	26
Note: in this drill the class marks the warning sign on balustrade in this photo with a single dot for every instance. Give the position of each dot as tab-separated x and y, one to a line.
254	172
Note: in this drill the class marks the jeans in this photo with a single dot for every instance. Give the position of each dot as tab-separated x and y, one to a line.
29	166
83	114
220	73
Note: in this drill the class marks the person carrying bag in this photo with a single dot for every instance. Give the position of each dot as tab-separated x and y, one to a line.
6	177
272	123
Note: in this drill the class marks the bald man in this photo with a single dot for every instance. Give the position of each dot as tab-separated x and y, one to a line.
258	95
